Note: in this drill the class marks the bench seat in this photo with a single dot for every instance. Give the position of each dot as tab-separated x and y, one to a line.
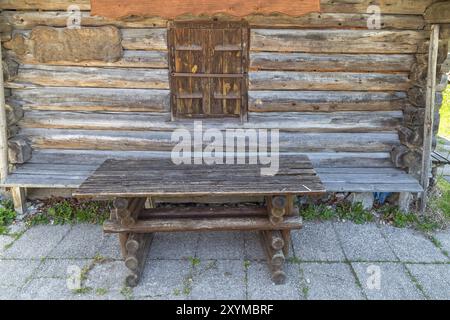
339	172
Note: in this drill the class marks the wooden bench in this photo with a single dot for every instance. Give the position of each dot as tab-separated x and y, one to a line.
130	182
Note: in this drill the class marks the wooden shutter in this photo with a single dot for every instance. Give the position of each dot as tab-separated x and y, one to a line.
208	69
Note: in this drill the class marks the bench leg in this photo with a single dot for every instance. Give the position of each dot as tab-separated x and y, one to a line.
137	247
19	199
274	244
123	238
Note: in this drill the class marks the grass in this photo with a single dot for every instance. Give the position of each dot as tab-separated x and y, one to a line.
60	212
444	128
7	215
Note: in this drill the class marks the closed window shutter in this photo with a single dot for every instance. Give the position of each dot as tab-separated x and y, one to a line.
208	68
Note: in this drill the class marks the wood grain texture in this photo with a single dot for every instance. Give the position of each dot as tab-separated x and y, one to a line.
405	7
175	8
337	41
30	19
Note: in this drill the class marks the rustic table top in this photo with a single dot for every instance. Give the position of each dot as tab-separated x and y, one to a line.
161	177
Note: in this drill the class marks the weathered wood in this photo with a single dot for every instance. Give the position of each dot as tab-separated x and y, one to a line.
19	151
128	210
306	101
84	44
275	238
337	41
19	199
174	8
359	6
283	80
161	141
30	19
63	76
135	262
275	259
3	128
429	115
212	212
208	224
438	13
93	99
311	122
123	239
44	4
130	59
330	62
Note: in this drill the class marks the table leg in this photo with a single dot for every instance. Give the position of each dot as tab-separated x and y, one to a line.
137	248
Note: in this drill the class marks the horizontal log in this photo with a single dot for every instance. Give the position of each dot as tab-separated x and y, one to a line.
289	121
31	19
438	13
304	101
331	62
289	80
130	59
96	157
144	39
211	212
43	4
207	224
161	141
93	99
387	6
337	41
63	76
359	6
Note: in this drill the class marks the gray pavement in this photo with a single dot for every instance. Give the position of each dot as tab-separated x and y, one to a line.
329	260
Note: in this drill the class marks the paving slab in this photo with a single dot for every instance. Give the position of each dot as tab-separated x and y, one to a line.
363	242
37	242
107	280
317	242
221	245
4	241
330	281
261	287
444	239
252	246
411	246
8	292
219	279
14	273
433	278
165	279
174	245
82	241
48	289
393	283
58	268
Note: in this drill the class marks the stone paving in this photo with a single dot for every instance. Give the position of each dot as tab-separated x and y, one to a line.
330	260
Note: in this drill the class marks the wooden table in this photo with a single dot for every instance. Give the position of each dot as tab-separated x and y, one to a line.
129	183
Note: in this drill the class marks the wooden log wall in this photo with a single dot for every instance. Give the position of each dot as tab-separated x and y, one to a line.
332	86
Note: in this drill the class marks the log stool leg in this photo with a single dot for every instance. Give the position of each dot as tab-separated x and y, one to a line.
127	210
277	243
137	248
273	244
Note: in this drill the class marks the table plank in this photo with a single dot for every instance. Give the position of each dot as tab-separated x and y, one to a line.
161	177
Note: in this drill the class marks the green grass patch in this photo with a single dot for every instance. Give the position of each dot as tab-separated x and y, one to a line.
354	212
71	211
7	215
318	212
444	127
397	218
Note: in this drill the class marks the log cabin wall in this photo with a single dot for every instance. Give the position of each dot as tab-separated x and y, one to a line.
337	91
